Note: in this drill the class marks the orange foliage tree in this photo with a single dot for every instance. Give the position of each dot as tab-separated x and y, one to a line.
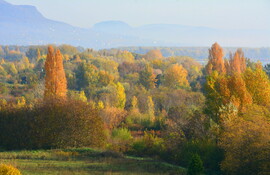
216	61
237	62
55	80
153	54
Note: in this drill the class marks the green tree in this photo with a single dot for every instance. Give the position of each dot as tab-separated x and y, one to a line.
87	76
147	78
196	165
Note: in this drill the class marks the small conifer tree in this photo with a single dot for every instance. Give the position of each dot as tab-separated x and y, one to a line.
195	166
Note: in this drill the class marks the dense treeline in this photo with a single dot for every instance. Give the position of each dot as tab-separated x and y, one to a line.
201	53
212	119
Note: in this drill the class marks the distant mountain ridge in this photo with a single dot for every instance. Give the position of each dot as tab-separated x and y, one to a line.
25	25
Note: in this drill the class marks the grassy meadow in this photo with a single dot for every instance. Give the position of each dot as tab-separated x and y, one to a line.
84	161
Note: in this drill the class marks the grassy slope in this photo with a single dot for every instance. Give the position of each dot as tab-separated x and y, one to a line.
84	161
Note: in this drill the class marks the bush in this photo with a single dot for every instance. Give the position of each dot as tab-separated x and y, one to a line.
112	116
149	145
196	165
121	140
138	121
121	134
210	154
51	124
8	170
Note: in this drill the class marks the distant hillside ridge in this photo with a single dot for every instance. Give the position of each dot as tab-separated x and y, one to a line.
201	53
25	25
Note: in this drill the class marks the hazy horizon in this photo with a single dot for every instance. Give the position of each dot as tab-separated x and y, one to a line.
223	14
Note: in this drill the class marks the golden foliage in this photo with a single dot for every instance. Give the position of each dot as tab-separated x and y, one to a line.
258	85
113	116
246	142
153	54
55	80
8	170
216	61
121	96
151	109
237	62
176	77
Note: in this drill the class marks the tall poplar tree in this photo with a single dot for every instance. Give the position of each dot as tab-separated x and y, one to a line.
55	79
216	62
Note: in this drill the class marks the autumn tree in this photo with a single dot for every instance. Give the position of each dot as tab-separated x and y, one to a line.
258	84
215	62
105	78
237	62
87	76
176	77
121	96
125	56
3	72
12	70
245	140
223	90
55	79
240	95
134	104
153	54
151	109
38	54
147	77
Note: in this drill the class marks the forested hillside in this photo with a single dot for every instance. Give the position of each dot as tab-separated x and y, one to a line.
210	119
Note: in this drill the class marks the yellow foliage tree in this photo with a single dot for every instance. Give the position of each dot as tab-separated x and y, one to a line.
246	142
121	96
125	56
151	109
176	77
258	85
134	103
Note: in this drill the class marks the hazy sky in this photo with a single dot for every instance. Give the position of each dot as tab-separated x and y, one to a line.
229	14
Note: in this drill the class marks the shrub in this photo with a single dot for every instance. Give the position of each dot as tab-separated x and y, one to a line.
196	165
138	121
210	154
121	140
121	134
51	124
68	124
8	170
113	117
149	145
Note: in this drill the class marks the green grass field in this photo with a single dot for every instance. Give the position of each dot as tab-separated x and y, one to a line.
84	161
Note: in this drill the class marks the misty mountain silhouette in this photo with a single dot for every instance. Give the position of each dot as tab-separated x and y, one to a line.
25	25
